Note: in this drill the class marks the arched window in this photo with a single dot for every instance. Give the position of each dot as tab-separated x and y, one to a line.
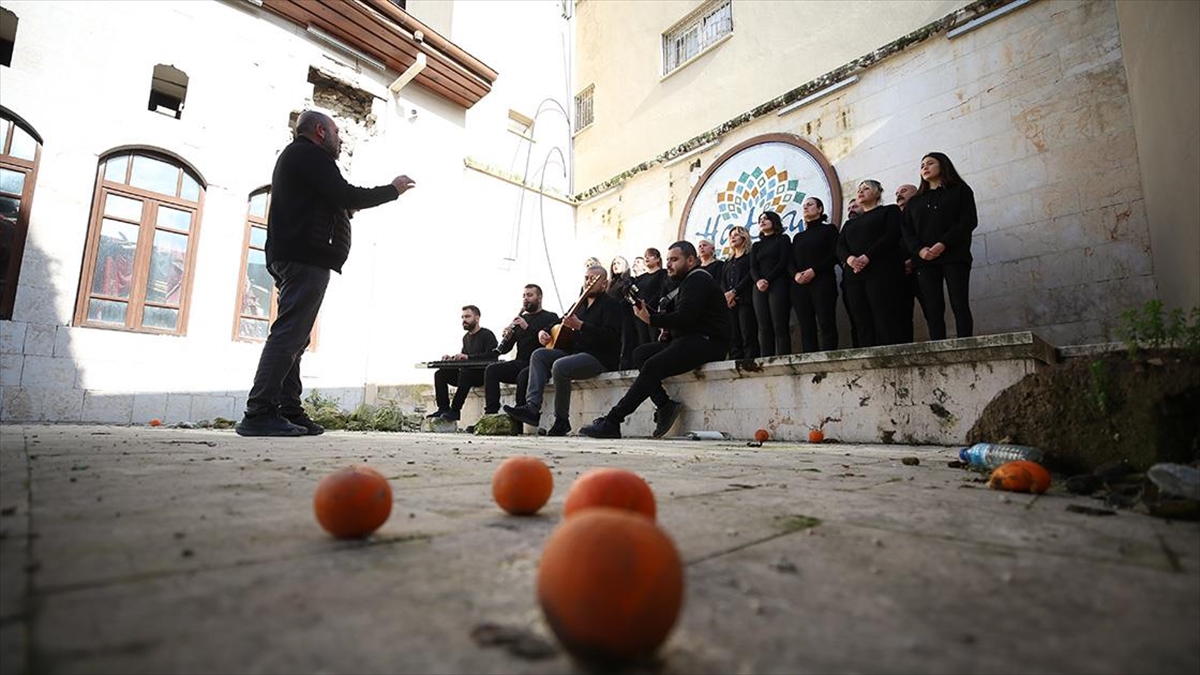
257	296
140	255
20	148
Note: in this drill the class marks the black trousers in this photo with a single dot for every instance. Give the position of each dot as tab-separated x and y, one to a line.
773	310
660	360
957	277
873	301
277	385
815	305
511	372
846	272
630	338
744	343
909	293
462	378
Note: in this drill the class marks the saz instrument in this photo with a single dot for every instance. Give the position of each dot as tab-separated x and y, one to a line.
561	337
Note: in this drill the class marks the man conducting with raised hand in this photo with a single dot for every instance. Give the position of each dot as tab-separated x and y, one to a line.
308	234
700	330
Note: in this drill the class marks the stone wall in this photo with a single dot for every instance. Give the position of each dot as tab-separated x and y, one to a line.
1035	111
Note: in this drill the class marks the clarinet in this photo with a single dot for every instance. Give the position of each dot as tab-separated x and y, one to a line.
513	332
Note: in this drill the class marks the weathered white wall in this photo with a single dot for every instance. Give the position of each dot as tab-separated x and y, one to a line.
1033	108
81	77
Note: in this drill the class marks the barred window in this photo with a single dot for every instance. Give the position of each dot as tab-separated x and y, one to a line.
584	112
141	245
696	32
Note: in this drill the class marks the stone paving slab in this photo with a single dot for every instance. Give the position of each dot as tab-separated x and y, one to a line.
143	550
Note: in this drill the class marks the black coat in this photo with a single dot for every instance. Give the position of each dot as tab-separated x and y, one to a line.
309	220
947	215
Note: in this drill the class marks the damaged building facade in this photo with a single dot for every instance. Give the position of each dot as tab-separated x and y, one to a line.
136	167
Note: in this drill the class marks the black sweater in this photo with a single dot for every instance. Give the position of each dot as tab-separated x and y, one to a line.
716	270
769	257
527	338
652	286
601	332
875	233
816	248
480	345
947	215
309	220
737	277
699	309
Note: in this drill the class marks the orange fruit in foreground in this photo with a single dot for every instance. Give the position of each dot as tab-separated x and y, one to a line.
522	485
816	436
155	422
761	435
617	488
1020	476
610	584
352	502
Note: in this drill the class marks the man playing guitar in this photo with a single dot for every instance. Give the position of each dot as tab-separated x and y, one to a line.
594	328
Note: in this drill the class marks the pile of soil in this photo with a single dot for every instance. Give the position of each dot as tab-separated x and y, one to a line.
1089	411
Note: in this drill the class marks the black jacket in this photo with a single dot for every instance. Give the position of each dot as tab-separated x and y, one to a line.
309	221
876	234
769	257
699	309
947	215
737	277
652	286
815	247
601	332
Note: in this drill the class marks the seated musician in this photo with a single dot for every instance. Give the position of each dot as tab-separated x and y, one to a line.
523	333
699	328
593	346
478	344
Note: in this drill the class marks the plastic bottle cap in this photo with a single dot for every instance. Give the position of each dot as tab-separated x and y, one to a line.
962	455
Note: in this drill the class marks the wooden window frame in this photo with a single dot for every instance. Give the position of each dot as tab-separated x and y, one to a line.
147	227
253	221
12	274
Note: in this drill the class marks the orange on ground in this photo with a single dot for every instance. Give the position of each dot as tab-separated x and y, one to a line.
617	488
155	422
1020	476
816	436
522	485
761	435
352	502
610	584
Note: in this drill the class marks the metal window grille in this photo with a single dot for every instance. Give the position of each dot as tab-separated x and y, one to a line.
696	32
584	111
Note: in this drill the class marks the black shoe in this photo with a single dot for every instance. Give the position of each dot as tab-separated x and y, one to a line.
451	415
602	427
272	424
665	417
560	428
311	428
436	414
524	414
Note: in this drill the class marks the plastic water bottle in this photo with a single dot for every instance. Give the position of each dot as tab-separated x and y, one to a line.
992	455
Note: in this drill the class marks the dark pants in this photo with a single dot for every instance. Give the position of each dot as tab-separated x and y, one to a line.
512	372
773	310
846	272
630	338
462	379
815	304
957	278
873	303
745	331
909	292
661	360
277	385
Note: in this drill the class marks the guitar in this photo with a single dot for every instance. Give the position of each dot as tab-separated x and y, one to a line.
634	297
561	337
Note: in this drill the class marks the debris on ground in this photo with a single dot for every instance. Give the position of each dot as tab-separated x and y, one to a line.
910	461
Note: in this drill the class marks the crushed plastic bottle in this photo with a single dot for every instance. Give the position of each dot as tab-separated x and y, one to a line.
992	455
1179	480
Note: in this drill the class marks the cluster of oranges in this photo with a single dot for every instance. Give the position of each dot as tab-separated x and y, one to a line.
610	581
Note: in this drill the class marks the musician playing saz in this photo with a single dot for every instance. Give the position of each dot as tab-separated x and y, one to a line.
700	329
595	325
523	333
479	343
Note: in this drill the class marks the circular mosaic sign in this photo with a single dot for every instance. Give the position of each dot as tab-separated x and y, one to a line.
774	172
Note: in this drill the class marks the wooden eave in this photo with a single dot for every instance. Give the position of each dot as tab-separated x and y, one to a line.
384	32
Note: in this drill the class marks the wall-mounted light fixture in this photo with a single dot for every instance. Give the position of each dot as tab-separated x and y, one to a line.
329	39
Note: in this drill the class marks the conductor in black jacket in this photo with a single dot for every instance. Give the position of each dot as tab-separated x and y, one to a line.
699	326
308	234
